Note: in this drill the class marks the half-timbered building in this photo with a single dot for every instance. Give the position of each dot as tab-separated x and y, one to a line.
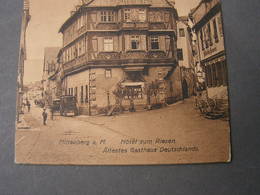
131	43
208	26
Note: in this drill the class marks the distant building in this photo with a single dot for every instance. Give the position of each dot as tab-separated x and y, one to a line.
22	56
207	18
111	43
185	56
34	90
50	68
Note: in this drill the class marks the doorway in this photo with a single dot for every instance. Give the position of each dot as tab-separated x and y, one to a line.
185	89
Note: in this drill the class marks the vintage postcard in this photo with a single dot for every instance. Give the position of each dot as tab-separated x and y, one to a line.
122	82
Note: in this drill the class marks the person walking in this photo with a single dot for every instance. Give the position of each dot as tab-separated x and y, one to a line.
44	116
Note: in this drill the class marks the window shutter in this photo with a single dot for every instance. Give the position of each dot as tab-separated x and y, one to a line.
162	42
95	45
168	47
127	42
115	40
100	43
143	42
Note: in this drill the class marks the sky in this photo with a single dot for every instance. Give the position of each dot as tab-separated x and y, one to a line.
47	18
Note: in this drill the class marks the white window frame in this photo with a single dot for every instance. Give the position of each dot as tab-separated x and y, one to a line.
108	73
156	39
108	44
107	16
103	16
135	38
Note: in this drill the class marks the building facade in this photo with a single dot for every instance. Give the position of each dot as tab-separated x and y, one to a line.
112	43
50	80
208	26
185	56
22	57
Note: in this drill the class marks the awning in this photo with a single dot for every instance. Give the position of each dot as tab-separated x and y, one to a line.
132	84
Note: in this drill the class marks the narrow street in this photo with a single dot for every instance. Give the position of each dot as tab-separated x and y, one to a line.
124	139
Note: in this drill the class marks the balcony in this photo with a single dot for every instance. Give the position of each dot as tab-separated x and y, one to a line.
130	57
79	61
156	54
134	54
108	55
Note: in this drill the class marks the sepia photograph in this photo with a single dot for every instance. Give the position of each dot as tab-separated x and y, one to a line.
122	82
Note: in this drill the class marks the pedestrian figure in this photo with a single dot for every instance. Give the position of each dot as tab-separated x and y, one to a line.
28	105
44	116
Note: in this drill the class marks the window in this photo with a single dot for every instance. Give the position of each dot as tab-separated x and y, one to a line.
80	48
214	75
107	16
141	15
63	57
108	44
81	94
134	92
209	76
111	16
108	73
135	42
76	92
219	74
86	94
95	45
202	40
155	16
75	51
209	34
220	27
127	14
68	55
83	46
103	17
155	42
80	21
180	54
215	31
181	32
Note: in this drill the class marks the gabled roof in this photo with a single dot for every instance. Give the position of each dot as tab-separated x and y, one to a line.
113	3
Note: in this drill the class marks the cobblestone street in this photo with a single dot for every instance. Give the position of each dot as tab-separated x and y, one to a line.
99	139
